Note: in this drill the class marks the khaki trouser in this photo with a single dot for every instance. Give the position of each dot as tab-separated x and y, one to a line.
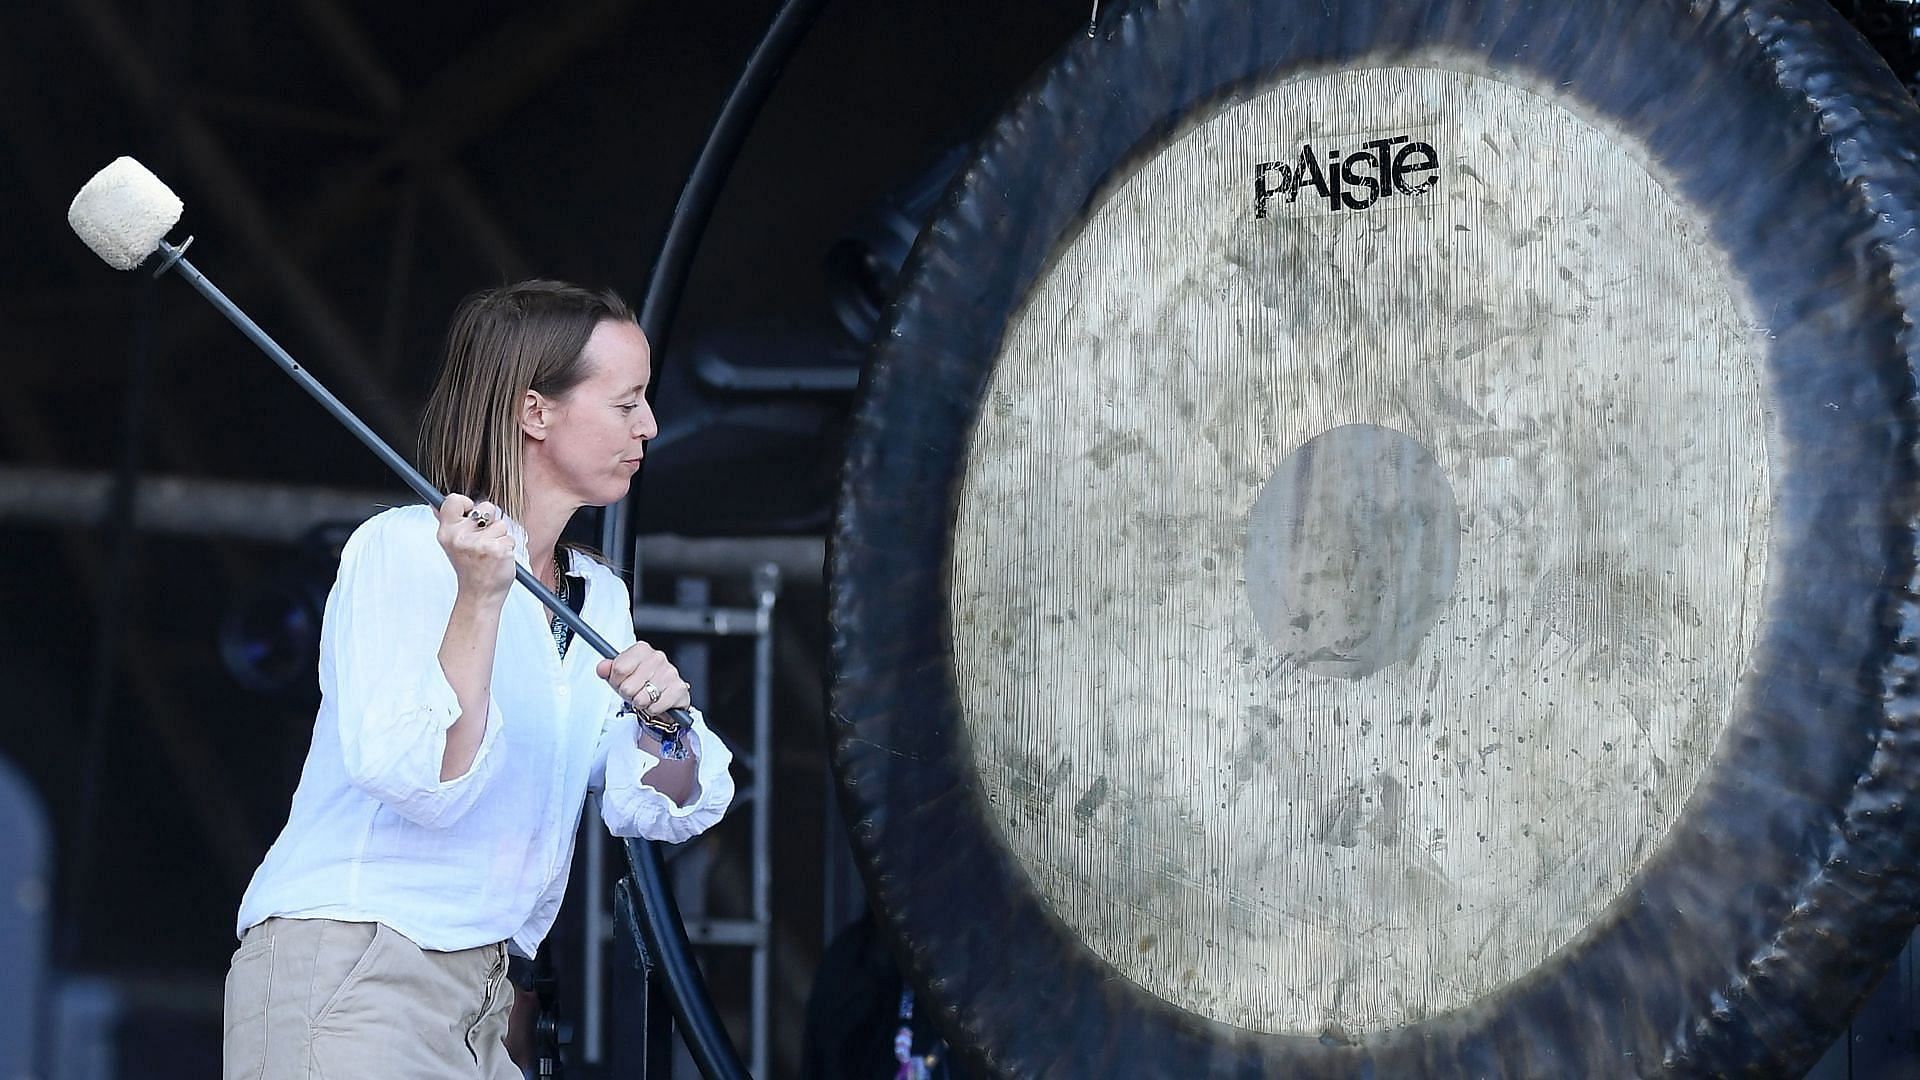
316	999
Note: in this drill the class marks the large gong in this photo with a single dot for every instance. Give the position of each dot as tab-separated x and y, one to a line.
1380	538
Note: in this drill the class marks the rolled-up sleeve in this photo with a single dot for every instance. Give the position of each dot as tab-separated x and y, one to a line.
385	620
632	807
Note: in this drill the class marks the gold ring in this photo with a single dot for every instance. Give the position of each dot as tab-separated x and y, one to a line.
652	692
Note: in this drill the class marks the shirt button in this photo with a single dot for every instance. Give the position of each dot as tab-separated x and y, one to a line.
565	690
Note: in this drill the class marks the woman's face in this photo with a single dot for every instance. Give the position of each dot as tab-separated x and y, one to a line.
596	433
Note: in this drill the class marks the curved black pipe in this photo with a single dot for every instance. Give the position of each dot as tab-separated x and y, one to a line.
665	941
659	917
711	169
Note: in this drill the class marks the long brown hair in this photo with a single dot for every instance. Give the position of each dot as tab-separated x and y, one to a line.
503	342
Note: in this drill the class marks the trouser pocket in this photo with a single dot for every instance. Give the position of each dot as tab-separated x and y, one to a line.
356	991
249	994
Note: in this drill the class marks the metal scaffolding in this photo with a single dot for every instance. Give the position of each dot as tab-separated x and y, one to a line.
699	623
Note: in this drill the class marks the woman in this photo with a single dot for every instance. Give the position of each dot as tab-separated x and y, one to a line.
460	727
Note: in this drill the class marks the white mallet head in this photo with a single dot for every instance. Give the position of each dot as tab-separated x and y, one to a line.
123	213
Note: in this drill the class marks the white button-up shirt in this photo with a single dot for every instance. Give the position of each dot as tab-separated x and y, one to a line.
376	836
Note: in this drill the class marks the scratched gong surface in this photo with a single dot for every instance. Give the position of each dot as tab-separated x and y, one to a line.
1359	546
1378	541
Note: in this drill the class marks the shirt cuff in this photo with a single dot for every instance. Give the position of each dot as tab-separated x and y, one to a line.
396	751
630	798
629	758
437	694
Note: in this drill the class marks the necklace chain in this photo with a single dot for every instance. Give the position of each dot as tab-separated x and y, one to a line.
563	589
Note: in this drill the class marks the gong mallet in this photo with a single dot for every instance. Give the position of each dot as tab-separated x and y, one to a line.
124	214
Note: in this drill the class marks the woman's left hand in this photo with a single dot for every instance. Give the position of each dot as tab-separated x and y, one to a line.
641	664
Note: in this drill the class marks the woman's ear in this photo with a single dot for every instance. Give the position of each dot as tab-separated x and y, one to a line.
535	410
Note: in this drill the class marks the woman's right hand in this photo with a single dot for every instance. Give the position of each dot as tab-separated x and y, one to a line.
474	536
